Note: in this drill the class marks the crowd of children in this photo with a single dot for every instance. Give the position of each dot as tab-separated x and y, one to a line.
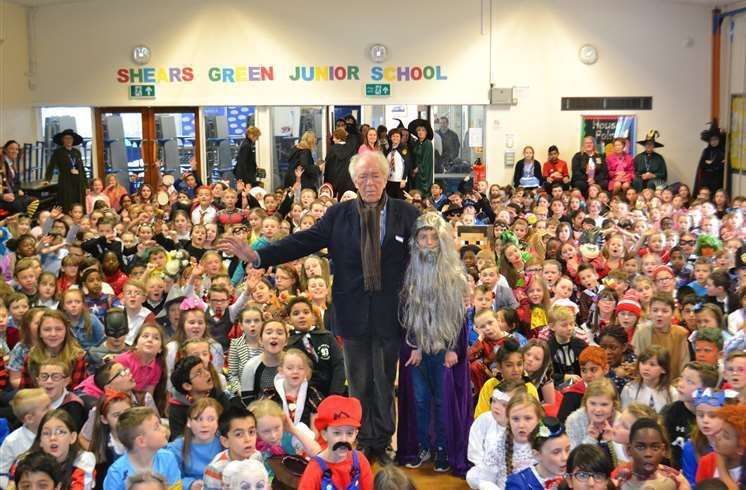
606	341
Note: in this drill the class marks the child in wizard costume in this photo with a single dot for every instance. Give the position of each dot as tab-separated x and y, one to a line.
434	367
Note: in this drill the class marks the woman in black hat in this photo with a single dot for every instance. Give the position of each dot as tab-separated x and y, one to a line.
69	162
711	167
423	156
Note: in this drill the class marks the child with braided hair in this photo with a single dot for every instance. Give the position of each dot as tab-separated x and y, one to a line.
513	452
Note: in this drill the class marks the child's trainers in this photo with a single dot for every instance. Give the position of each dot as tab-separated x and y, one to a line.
441	461
422	457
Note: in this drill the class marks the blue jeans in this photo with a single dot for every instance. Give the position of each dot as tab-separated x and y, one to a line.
427	381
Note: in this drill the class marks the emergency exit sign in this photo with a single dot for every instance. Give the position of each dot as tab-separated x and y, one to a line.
377	89
142	91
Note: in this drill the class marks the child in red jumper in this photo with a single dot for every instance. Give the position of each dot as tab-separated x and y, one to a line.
339	464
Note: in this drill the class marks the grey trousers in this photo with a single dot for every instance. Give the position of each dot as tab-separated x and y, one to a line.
370	365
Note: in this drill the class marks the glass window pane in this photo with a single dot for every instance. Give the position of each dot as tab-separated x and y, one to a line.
288	125
57	119
458	141
225	129
175	141
122	147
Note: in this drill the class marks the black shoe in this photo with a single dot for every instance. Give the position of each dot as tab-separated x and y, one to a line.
441	461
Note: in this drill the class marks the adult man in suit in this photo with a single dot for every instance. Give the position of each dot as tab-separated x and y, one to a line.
368	241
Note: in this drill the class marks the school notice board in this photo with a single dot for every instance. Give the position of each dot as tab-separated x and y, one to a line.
605	128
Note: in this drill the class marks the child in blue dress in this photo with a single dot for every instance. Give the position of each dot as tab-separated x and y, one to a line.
551	448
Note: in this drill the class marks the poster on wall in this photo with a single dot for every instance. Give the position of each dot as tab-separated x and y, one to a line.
605	128
737	136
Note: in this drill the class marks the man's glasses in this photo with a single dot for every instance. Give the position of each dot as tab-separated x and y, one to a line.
687	242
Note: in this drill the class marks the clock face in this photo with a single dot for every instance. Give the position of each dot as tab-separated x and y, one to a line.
588	54
378	53
141	54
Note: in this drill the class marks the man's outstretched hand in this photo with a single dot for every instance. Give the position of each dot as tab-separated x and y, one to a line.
238	247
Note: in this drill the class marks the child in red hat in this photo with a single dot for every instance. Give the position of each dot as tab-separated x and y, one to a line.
339	465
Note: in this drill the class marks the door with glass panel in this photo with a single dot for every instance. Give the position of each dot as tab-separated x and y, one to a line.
140	144
289	125
224	130
458	141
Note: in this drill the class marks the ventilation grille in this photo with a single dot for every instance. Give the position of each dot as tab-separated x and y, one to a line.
607	103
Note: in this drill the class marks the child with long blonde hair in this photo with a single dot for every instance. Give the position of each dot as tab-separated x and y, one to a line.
593	422
55	339
87	328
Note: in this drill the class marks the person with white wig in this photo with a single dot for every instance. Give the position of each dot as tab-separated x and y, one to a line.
432	314
247	474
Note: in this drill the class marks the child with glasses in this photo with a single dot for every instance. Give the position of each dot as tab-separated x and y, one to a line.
588	468
58	437
53	378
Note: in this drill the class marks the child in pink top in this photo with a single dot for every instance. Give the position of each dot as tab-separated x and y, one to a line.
145	361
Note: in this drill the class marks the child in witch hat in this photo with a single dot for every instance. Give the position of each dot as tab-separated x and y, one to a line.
339	466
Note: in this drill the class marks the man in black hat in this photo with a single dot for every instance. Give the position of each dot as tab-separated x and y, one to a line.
73	183
650	166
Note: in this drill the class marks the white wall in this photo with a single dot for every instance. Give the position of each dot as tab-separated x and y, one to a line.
263	32
534	45
641	53
16	117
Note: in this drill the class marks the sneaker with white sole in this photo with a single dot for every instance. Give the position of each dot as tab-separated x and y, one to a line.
422	457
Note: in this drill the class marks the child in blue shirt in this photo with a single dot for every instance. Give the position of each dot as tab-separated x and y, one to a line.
140	431
200	442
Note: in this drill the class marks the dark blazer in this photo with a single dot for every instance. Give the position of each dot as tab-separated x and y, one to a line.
518	173
11	177
245	168
356	312
579	175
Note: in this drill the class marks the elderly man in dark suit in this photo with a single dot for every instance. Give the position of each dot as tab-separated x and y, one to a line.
368	242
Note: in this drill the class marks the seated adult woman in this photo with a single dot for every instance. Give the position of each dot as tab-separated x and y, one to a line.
588	167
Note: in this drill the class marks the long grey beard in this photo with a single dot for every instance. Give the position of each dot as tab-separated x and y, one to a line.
433	294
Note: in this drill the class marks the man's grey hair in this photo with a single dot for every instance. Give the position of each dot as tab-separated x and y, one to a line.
375	156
